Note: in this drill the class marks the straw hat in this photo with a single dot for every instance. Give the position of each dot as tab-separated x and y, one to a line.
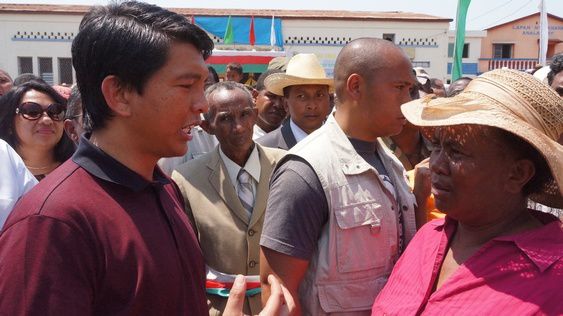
301	69
510	100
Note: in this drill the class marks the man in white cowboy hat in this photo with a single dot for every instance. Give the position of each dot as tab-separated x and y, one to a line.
340	210
495	147
305	88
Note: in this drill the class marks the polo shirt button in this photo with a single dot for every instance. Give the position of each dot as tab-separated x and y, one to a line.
405	208
251	232
252	264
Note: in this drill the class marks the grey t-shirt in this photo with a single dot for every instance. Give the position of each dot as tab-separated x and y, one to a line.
297	206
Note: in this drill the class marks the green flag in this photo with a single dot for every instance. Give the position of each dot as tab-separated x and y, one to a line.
229	37
462	7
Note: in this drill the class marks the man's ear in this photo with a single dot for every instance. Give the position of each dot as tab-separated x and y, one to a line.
285	105
254	93
353	86
118	97
520	173
70	131
206	127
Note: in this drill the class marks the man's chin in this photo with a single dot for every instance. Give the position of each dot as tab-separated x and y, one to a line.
176	152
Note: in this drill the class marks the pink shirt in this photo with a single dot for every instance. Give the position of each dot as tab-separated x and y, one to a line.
520	274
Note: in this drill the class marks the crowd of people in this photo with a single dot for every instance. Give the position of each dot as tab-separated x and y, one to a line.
154	188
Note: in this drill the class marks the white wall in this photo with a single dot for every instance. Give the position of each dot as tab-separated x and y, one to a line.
11	48
435	54
341	31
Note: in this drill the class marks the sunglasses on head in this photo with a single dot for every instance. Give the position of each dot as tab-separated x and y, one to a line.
33	111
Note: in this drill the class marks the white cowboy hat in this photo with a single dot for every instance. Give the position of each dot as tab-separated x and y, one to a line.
302	69
510	100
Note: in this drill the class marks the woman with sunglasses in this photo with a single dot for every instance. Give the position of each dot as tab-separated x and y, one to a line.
31	121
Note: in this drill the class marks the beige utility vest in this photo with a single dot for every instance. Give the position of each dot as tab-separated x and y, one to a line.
359	245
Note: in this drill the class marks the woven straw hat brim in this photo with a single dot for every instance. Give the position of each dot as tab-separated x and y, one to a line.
275	83
474	108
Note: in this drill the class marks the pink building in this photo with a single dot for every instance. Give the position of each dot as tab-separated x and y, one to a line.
515	44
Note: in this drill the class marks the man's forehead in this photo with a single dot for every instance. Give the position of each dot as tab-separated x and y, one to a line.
224	98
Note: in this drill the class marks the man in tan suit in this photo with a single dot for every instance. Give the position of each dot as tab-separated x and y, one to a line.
225	192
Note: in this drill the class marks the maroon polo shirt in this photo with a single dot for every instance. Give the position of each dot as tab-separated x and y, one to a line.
95	238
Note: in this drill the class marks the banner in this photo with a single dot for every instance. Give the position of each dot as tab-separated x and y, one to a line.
241	28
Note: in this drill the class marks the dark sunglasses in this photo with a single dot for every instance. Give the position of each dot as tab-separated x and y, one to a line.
33	111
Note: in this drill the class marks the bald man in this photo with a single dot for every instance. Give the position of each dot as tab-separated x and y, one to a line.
340	211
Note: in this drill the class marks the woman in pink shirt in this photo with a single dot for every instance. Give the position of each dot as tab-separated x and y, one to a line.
495	147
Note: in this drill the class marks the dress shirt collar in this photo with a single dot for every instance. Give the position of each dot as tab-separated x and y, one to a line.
103	166
257	132
297	131
252	165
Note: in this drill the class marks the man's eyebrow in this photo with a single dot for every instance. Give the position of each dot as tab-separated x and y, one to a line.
190	75
405	82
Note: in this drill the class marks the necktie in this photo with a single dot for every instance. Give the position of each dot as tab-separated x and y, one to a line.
245	191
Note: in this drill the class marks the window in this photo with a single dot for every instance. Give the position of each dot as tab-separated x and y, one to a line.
465	53
502	50
25	65
65	70
423	64
389	37
46	69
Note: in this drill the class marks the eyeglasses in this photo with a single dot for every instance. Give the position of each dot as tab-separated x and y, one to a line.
33	111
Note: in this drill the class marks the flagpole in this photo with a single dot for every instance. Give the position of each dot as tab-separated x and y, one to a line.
544	34
273	35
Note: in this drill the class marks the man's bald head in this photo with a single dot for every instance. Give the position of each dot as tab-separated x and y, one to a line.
365	57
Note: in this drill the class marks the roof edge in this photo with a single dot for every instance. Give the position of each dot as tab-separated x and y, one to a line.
549	15
288	14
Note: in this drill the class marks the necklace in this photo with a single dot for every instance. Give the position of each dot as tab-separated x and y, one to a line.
39	168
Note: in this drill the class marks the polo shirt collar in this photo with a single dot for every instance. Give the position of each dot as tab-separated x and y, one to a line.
541	245
103	166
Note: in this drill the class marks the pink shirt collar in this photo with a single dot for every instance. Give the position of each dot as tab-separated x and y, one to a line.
541	245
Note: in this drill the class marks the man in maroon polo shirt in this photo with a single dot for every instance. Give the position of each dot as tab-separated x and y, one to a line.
106	233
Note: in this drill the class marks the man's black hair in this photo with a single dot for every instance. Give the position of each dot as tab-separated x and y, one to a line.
130	40
555	67
236	67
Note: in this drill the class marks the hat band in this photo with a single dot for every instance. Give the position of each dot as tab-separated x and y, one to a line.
527	113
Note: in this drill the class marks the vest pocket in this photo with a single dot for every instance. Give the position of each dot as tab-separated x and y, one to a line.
357	295
363	237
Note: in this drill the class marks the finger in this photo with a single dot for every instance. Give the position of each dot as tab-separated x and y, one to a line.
235	302
275	300
289	307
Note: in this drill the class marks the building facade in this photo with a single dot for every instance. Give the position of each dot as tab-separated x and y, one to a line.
37	38
471	52
515	44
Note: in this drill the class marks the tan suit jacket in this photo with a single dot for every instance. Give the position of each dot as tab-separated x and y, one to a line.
229	241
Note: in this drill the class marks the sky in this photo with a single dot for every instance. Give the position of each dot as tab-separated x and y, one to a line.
481	15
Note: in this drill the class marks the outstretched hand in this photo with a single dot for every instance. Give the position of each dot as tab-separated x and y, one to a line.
277	304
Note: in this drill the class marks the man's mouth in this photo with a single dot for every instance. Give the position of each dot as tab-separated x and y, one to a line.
187	129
